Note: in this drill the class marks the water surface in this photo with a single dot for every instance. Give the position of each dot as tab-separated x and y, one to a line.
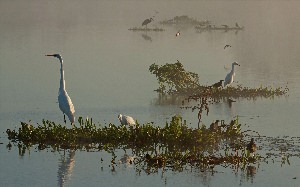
106	71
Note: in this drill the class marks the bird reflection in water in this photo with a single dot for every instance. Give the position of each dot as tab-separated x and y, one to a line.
65	168
251	171
146	37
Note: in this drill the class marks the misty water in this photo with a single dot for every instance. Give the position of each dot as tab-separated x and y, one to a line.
107	73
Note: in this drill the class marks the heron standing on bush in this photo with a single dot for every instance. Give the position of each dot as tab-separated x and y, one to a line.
64	100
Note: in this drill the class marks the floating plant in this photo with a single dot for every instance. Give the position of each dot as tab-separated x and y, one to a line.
175	136
173	79
184	20
146	29
172	146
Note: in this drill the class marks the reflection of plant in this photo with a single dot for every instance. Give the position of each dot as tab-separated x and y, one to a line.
174	78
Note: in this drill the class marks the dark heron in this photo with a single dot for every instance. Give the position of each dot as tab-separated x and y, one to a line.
251	147
218	84
147	21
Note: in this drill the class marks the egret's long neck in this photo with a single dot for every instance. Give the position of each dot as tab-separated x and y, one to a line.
232	69
62	77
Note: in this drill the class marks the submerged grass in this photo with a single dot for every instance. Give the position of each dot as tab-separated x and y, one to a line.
173	145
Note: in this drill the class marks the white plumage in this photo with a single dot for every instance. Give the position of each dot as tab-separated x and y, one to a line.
126	120
230	75
64	100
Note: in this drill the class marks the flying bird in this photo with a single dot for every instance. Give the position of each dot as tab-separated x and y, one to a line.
147	21
218	84
178	33
64	100
230	75
126	120
227	46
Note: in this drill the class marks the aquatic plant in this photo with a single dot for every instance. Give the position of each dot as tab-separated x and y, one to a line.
146	29
176	142
174	79
184	20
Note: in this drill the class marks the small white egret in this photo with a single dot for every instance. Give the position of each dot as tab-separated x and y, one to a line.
126	159
65	103
178	33
126	120
230	75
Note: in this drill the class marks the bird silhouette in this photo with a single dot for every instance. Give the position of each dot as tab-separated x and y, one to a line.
227	46
64	101
214	126
218	84
126	120
251	147
230	75
177	34
237	25
147	21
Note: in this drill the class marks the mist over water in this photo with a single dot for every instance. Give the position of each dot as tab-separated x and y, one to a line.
106	68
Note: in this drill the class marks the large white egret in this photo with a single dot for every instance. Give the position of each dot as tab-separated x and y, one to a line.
126	120
64	100
230	75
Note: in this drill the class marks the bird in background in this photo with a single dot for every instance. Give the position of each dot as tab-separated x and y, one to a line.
227	46
218	84
237	25
230	75
64	100
126	120
251	147
177	34
147	21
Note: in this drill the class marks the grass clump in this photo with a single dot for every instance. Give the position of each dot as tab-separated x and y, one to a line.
173	79
175	144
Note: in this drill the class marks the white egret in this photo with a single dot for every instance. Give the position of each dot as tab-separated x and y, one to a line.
126	120
230	75
178	33
65	103
126	159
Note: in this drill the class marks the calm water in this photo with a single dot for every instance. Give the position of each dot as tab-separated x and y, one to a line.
106	71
